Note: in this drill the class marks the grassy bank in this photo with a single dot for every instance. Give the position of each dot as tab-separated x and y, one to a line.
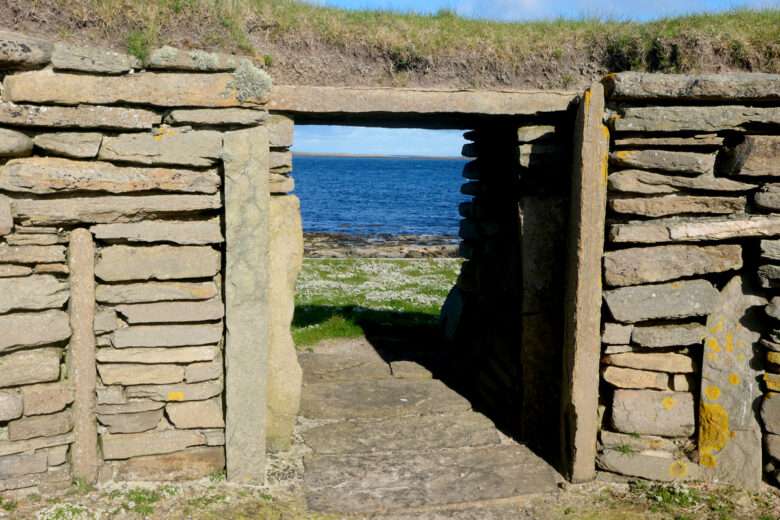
304	43
345	297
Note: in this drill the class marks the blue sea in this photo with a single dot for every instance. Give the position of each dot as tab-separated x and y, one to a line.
371	196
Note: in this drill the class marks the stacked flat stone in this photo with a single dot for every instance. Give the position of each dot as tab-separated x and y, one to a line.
130	156
690	195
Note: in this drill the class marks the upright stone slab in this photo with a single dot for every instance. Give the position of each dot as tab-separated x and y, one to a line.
582	330
247	200
81	260
730	448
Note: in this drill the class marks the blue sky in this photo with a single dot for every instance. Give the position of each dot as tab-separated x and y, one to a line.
448	143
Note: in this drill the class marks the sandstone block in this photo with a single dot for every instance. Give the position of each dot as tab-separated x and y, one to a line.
670	301
173	312
769	276
131	422
167	335
155	292
57	455
36	292
30	239
701	229
696	141
152	356
40	426
640	265
769	197
51	269
631	378
127	263
140	374
14	144
698	87
196	414
677	205
130	445
129	407
47	398
45	175
106	320
664	160
756	155
636	443
176	393
105	210
536	133
773	309
171	58
11	406
195	232
247	85
82	116
693	118
165	146
648	183
39	443
770	412
110	395
281	184
206	371
654	336
6	216
617	349
616	334
650	467
14	271
75	145
217	117
23	464
31	254
770	249
280	160
280	131
20	51
90	59
33	329
659	362
683	382
191	464
647	412
773	446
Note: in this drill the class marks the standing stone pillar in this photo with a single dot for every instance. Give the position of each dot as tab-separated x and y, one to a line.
582	321
247	200
82	368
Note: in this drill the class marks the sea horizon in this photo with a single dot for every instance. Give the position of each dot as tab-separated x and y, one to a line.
382	156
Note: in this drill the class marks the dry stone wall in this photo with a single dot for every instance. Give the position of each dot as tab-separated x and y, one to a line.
112	252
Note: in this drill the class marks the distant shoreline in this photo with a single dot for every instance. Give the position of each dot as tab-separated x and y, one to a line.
373	156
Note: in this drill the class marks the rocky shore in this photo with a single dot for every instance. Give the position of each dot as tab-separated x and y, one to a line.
343	245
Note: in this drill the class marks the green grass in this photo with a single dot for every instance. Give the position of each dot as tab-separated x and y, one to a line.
348	298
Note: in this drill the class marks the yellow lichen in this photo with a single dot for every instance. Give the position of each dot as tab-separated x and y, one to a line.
712	356
175	396
734	379
712	392
713	345
678	469
772	382
729	342
717	328
714	431
773	357
668	403
708	460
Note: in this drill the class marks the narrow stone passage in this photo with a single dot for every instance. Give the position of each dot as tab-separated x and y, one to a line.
388	440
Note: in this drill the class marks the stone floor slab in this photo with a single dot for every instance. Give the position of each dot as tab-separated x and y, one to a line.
319	367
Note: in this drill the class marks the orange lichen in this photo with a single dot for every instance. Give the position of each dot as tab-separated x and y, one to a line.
714	431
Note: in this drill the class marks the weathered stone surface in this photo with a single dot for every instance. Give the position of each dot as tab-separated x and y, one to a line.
47	398
196	414
409	370
130	445
677	205
82	116
75	145
281	184
670	300
617	349
376	482
6	216
51	269
427	432
773	309
39	443
698	230
696	141
379	398
23	464
130	407
756	155
217	117
31	254
171	58
106	320
21	51
155	292
45	175
616	334
693	118
90	59
36	292
769	197
684	382
132	422
36	239
206	371
773	446
247	85
40	426
195	232
284	373
635	442
181	392
140	374
152	356
105	210
14	144
649	467
173	312
167	335
770	412
30	366
536	133
52	481
769	276
664	160
660	362
640	265
164	146
631	378
647	412
280	160
191	464
699	87
648	183
33	329
11	406
668	335
247	310
770	249
126	263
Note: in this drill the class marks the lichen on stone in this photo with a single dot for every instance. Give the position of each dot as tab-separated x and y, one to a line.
164	54
203	60
249	82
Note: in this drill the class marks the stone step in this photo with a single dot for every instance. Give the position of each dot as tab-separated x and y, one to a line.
403	434
320	367
379	398
388	482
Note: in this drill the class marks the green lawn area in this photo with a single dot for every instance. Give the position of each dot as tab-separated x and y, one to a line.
342	298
